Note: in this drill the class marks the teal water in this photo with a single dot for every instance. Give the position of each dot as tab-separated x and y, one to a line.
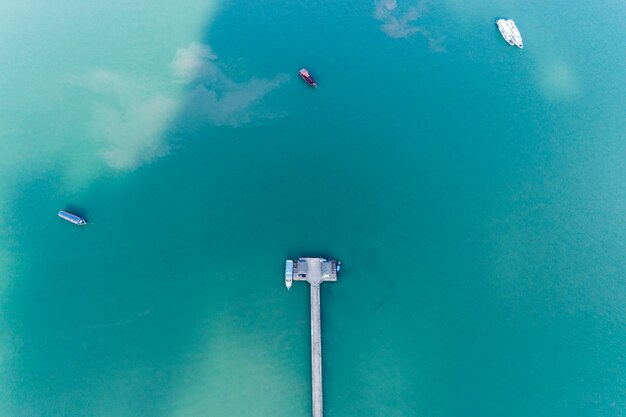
474	192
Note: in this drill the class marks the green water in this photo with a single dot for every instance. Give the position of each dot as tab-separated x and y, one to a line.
474	192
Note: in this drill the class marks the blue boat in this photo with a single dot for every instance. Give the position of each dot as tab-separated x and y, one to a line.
72	218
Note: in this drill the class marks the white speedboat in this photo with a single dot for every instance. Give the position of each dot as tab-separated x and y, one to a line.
505	31
288	273
517	37
72	218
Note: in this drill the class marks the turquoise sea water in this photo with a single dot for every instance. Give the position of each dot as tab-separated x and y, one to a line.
476	194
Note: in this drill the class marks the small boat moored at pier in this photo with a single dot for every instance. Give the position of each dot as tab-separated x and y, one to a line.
288	273
304	74
72	218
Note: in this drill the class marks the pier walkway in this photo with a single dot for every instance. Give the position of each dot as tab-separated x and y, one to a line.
315	271
316	351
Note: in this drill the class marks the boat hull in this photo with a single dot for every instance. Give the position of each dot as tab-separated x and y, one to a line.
72	218
304	74
288	273
505	31
517	36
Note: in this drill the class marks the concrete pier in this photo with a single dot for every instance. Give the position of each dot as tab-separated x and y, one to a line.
316	351
315	271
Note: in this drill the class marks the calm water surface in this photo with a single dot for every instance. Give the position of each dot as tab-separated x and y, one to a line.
475	193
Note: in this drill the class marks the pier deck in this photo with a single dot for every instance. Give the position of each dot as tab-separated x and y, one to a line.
316	351
315	271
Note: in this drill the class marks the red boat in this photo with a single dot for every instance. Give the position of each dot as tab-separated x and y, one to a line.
304	74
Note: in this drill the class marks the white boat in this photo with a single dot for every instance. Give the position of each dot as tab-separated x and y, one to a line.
288	273
517	37
505	31
72	218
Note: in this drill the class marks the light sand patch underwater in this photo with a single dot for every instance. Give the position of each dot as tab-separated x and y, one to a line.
558	81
